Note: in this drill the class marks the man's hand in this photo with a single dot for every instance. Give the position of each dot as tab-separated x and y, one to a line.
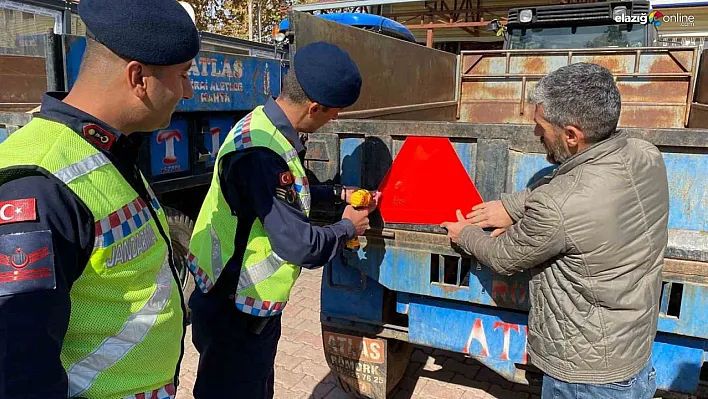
491	214
454	228
360	218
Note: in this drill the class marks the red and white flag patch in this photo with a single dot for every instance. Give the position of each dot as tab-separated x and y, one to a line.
285	178
20	210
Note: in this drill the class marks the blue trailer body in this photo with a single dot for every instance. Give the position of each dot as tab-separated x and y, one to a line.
445	299
226	87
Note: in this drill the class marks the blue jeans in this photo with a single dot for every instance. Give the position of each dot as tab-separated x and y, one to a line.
641	386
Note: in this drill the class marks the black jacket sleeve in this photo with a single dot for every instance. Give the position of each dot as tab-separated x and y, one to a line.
40	258
322	193
254	185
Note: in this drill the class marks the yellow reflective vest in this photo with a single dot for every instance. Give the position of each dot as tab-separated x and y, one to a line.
266	279
126	324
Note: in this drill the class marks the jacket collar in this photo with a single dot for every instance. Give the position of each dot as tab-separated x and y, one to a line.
596	151
99	134
282	123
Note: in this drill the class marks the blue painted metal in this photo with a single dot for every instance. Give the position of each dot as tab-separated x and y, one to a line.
351	295
498	339
3	134
221	82
443	314
350	159
229	82
362	20
221	124
689	191
74	48
166	162
686	173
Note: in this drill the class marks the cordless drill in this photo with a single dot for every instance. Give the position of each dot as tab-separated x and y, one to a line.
359	199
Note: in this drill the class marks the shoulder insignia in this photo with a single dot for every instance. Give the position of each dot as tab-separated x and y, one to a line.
285	178
288	195
20	210
99	136
26	262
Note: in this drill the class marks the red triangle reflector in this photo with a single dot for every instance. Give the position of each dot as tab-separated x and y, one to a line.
426	184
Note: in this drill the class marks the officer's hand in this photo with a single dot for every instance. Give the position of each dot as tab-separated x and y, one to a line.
490	214
360	218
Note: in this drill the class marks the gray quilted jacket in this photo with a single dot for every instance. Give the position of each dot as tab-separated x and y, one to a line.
594	235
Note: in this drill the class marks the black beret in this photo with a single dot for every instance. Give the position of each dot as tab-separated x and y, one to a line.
327	74
154	32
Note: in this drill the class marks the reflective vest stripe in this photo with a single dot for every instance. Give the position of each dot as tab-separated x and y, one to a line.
260	271
167	392
83	373
81	168
257	308
242	135
121	223
153	200
200	277
289	155
216	264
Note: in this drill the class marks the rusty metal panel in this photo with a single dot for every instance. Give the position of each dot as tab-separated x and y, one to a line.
656	84
24	80
395	73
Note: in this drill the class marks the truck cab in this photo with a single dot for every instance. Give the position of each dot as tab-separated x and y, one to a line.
611	24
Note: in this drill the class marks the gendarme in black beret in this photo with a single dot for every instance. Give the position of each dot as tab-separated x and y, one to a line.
154	32
327	74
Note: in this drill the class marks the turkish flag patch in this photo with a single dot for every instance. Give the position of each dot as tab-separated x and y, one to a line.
20	210
285	178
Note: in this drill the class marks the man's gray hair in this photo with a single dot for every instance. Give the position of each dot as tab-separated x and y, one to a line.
582	95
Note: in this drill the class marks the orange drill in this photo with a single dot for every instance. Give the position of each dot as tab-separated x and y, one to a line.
359	199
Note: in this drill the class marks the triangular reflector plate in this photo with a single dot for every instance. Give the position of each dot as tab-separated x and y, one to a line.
426	184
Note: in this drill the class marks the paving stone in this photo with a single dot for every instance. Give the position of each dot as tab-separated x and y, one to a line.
315	370
283	392
419	356
500	392
284	361
436	389
301	371
457	367
493	378
306	385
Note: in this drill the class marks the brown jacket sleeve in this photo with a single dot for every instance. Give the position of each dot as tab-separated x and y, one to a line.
515	203
537	237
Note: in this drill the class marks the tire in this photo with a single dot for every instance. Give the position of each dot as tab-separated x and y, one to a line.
181	227
398	357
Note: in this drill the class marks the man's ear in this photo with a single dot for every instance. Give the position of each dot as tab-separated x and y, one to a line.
313	108
576	137
137	74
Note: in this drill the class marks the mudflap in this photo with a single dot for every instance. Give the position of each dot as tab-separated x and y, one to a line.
365	367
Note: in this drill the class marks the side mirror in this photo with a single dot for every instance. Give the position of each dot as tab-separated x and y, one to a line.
493	25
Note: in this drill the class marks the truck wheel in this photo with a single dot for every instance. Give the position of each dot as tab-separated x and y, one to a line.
398	355
181	227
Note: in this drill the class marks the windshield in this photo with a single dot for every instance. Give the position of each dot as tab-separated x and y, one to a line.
577	37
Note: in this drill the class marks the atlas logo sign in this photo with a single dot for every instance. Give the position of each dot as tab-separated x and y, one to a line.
656	18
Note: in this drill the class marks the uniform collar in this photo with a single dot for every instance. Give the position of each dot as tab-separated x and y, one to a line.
282	123
101	135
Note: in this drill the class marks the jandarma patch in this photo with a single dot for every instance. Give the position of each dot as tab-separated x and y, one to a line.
26	262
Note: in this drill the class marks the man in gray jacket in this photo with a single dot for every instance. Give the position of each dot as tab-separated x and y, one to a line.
593	235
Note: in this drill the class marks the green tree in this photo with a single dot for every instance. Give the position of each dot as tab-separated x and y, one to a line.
230	17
